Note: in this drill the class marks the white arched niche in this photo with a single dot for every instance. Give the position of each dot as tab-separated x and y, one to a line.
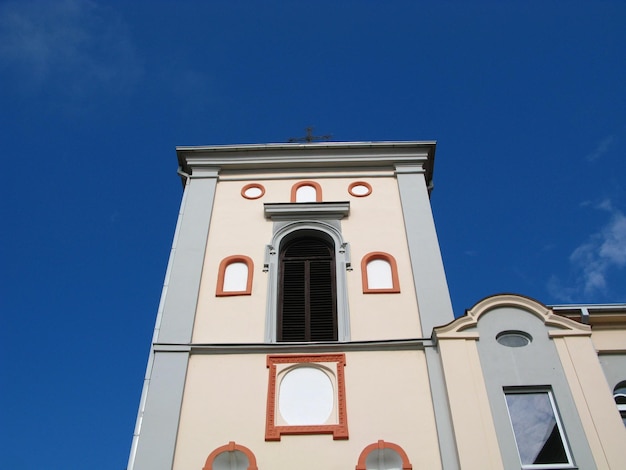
236	277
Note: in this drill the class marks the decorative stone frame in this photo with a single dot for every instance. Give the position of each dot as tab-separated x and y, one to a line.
230	447
274	431
320	219
394	273
250	186
380	445
316	186
219	291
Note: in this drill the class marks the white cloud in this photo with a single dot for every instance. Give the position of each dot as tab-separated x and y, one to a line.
602	148
73	46
593	260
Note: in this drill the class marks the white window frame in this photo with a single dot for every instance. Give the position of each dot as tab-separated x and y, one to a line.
548	391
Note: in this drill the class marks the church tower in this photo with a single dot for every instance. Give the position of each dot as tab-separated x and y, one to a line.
305	322
302	290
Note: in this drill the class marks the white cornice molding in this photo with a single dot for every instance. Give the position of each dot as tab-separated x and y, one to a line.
306	210
312	155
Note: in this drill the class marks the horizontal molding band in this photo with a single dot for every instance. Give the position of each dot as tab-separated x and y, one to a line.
274	348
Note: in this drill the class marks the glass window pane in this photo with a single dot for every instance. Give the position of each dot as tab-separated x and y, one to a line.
537	433
235	460
383	459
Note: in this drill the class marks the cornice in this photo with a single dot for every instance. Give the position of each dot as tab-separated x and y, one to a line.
317	155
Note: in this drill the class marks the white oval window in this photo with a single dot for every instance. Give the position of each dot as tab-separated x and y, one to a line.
306	397
360	189
514	339
253	191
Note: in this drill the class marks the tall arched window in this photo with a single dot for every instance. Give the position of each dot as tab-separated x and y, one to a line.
307	296
306	191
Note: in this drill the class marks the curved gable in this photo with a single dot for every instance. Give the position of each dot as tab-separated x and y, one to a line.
465	326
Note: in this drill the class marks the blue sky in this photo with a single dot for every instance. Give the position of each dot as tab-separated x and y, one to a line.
527	101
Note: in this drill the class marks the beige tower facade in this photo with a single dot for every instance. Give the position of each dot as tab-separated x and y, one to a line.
306	322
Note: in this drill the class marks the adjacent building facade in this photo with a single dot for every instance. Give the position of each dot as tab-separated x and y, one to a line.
305	322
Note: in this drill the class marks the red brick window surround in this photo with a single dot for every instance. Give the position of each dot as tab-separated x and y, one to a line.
382	449
281	399
234	448
386	281
229	277
303	184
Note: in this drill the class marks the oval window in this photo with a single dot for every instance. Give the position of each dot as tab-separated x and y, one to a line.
360	189
252	191
514	339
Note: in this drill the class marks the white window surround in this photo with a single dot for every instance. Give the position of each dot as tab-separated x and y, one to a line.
295	219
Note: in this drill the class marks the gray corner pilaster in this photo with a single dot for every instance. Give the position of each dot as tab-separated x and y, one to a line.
156	430
431	287
441	405
159	424
179	307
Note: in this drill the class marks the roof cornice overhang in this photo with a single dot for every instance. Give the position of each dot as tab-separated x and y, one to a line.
309	156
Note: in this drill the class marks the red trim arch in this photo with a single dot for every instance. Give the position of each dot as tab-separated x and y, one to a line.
318	190
219	291
374	255
230	447
380	445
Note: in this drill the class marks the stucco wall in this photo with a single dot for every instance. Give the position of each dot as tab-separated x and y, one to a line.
225	400
238	226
